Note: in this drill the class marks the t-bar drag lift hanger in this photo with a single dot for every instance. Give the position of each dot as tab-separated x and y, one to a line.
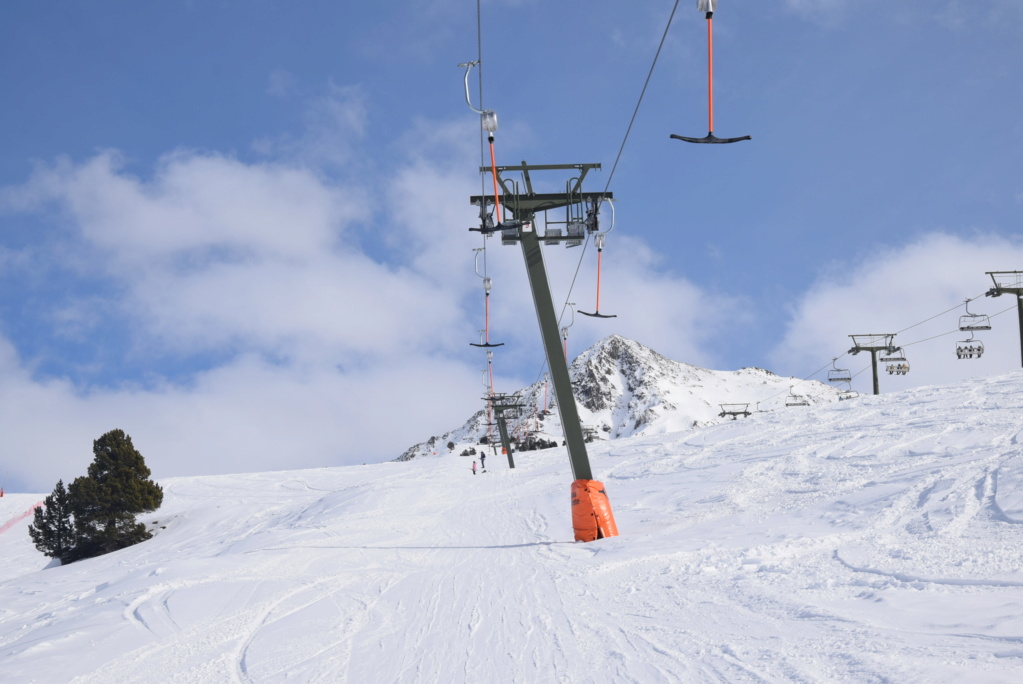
488	120
485	337
707	7
598	241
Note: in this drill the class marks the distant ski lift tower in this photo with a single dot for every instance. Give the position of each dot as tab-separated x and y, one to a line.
1010	282
524	204
873	343
502	403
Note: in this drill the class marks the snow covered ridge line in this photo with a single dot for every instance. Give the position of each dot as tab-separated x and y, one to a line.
625	389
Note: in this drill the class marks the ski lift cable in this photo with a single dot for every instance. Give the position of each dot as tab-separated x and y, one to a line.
957	330
862	370
908	344
933	337
936	315
635	111
806	379
618	157
483	154
614	166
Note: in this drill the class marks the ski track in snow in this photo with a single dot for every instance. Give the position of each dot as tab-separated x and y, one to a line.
877	540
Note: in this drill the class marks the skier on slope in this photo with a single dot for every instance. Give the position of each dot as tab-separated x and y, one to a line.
483	458
474	467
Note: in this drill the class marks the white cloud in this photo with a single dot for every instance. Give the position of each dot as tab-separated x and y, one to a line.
289	344
335	124
327	355
197	206
248	415
894	289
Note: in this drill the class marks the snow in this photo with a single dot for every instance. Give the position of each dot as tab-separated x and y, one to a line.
873	540
625	389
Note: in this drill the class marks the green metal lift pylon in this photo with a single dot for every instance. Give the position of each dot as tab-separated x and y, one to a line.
1010	282
523	208
500	404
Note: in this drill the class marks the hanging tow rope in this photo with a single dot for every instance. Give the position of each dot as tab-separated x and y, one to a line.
707	7
598	242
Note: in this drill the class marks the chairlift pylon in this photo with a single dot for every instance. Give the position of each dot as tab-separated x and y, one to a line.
598	241
971	321
707	7
895	357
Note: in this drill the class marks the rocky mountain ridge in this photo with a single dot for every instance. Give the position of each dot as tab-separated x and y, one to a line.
622	389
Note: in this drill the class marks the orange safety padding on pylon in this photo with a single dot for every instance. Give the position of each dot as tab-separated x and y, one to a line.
584	522
591	511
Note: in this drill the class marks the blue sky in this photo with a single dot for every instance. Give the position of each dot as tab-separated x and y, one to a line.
237	230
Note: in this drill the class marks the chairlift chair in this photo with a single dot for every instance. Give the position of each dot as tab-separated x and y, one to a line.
796	399
893	354
734	410
846	395
485	333
837	374
969	349
971	321
899	368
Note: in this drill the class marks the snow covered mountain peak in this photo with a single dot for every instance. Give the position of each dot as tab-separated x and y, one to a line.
623	388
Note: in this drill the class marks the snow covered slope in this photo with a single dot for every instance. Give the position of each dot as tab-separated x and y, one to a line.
877	540
624	389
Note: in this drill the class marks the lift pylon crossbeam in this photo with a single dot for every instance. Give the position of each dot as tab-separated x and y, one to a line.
1009	282
522	229
873	343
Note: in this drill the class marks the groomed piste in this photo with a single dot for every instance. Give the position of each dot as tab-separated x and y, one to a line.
859	541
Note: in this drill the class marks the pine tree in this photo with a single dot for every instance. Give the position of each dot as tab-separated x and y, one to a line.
106	500
52	530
